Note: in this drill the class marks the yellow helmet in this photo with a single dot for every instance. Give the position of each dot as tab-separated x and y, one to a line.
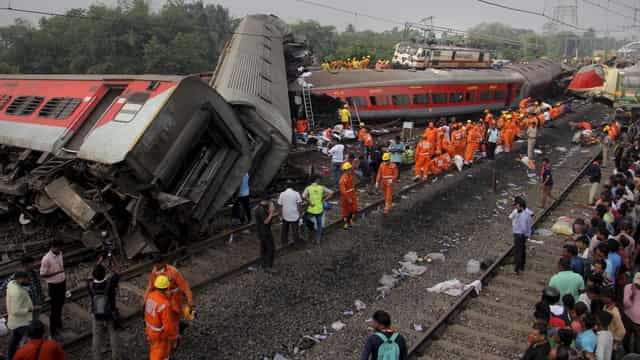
386	156
521	116
508	116
606	128
361	124
162	282
469	121
346	166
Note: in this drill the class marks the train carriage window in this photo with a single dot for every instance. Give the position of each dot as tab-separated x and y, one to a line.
358	101
439	98
4	100
59	107
400	99
24	105
456	97
485	96
470	96
420	99
499	95
378	100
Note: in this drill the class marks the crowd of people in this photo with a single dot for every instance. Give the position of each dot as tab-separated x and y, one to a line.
167	301
591	306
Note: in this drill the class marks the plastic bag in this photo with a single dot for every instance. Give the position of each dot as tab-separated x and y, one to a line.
450	287
338	325
388	281
359	305
563	226
473	266
412	269
459	161
411	257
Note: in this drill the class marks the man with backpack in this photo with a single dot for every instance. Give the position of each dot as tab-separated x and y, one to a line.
385	343
103	291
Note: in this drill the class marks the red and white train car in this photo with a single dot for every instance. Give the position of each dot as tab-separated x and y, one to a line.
432	93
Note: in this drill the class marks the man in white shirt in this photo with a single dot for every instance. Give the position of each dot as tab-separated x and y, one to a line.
52	271
289	203
337	158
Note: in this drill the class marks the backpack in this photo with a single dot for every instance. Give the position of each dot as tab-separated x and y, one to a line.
100	300
389	349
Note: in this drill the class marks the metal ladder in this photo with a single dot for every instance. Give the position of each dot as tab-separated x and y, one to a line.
308	108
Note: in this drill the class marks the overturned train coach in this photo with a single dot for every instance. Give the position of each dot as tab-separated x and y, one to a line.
145	162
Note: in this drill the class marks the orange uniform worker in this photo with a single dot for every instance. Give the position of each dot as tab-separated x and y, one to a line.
178	288
423	154
367	141
488	117
441	163
473	143
443	142
361	132
387	176
458	141
501	120
509	133
348	195
160	328
431	133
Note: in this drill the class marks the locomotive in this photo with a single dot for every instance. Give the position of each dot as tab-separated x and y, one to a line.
146	162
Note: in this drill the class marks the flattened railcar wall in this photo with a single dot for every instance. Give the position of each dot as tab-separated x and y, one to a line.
539	74
253	77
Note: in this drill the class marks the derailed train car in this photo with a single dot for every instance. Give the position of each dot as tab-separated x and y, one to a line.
141	162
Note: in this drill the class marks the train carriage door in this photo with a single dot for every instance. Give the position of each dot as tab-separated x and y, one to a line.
103	105
481	56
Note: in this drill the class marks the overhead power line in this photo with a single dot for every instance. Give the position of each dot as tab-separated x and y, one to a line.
531	12
447	29
609	10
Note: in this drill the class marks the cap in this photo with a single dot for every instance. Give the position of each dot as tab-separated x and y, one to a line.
346	166
162	282
386	156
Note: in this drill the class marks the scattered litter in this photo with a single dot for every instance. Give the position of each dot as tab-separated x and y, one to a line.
543	232
537	242
359	305
279	356
473	266
388	281
563	226
412	269
411	257
459	161
404	197
561	148
348	312
537	151
320	337
433	257
533	181
584	151
338	325
449	175
418	327
455	287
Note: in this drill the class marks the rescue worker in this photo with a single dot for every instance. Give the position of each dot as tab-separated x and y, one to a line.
473	143
431	133
348	195
345	116
532	133
509	133
443	142
524	103
361	132
423	154
160	329
367	142
488	117
502	120
178	290
387	175
458	141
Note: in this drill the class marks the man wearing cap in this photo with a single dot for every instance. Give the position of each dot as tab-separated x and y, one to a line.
160	329
348	195
387	176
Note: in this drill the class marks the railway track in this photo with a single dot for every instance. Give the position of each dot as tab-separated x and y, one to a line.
494	325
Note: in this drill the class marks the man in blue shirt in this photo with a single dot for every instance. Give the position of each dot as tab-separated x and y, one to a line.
521	221
241	206
492	140
587	339
570	252
614	261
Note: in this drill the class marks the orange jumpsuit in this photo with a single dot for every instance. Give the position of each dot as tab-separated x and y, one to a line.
361	133
473	143
431	134
501	122
443	144
348	198
367	141
458	142
178	289
159	327
423	154
508	135
387	175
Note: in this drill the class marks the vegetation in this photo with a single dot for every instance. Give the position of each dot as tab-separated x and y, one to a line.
187	37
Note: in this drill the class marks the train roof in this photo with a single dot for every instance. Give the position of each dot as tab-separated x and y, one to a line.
366	78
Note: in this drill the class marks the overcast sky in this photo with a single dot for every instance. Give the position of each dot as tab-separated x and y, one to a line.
456	13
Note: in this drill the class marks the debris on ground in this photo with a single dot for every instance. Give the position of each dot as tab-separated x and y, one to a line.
411	256
430	257
455	287
537	242
543	232
348	312
561	148
418	327
359	305
473	266
338	325
563	226
279	356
